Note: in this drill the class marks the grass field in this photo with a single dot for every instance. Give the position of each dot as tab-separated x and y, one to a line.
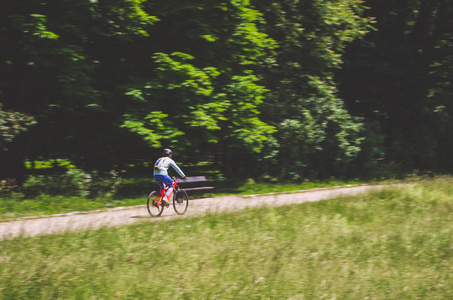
392	244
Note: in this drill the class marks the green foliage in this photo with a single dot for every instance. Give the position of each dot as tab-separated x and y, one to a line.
10	188
255	85
125	18
59	163
55	65
188	87
210	97
248	34
74	182
154	128
316	134
392	244
397	77
37	27
12	124
244	128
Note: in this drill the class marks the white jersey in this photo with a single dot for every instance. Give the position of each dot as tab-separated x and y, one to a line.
162	164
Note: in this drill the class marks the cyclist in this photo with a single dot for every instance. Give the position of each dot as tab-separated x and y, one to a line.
161	173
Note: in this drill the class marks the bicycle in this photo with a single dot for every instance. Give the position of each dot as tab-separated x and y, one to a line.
156	206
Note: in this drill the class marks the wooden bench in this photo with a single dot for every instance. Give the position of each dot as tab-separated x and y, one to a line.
194	179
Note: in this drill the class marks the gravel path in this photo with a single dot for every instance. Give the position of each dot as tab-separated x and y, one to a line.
197	207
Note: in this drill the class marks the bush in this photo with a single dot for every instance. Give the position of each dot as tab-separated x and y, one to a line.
74	182
10	187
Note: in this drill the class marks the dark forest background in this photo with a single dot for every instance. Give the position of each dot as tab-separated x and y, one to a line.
288	89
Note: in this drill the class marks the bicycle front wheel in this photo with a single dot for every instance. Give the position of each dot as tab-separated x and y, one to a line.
154	209
181	202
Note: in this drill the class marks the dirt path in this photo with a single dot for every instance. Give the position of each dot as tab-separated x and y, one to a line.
198	207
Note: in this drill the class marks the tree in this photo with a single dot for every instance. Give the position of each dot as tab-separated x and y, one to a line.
400	77
110	80
12	124
53	66
317	136
202	95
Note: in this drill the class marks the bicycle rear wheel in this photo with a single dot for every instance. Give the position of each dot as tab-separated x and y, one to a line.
154	210
181	202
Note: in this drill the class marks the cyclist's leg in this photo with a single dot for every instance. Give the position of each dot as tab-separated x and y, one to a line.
161	181
165	181
170	188
161	185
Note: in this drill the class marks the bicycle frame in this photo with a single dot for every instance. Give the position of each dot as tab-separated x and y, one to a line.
162	192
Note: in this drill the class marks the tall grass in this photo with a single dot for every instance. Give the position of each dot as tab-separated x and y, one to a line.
392	244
